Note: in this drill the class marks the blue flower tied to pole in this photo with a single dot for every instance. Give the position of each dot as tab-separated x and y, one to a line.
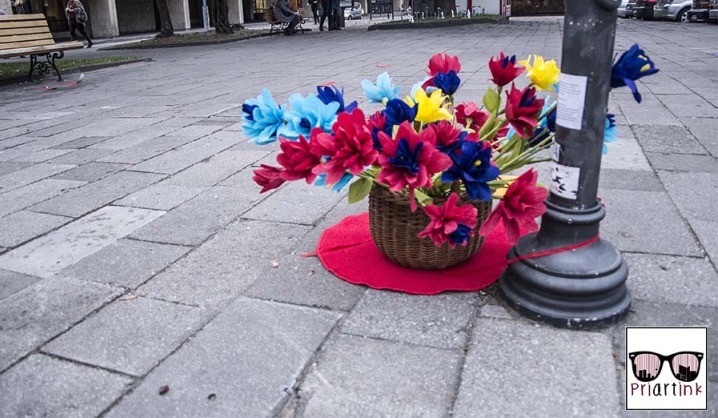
631	66
262	118
331	94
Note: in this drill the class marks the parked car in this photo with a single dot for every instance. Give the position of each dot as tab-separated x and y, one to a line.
644	9
623	10
699	11
629	8
355	12
672	10
713	11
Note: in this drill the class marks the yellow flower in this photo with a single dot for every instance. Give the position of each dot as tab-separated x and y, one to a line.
430	107
543	74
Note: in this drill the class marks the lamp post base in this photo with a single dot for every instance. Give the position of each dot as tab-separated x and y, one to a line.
581	288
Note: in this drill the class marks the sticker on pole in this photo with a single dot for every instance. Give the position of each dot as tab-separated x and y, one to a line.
571	100
564	181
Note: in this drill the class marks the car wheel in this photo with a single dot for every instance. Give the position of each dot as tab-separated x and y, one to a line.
683	15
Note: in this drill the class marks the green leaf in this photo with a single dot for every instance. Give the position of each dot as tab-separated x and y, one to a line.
488	127
360	189
492	100
423	198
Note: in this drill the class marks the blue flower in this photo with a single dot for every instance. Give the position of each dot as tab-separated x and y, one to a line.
397	112
329	94
610	133
382	90
322	181
473	166
406	158
306	114
631	66
448	83
262	118
461	235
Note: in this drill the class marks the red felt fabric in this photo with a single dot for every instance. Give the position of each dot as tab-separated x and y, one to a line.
347	250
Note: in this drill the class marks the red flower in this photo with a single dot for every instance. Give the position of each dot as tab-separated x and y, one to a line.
522	109
350	148
450	223
297	158
520	206
443	63
446	134
504	70
469	115
410	160
378	121
268	177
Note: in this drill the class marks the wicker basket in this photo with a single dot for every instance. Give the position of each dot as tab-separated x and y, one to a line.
394	229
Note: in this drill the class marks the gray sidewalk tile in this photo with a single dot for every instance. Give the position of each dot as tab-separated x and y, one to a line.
48	255
689	105
29	175
95	195
42	386
364	377
619	179
37	192
225	265
130	336
694	193
667	139
625	153
12	282
707	232
650	110
24	225
8	167
625	225
83	142
126	263
249	358
659	278
91	171
137	137
705	132
146	149
178	159
38	313
683	162
520	369
438	320
217	168
160	196
81	156
42	155
196	220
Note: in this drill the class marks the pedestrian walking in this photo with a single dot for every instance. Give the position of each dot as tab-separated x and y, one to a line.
326	10
336	10
315	6
76	19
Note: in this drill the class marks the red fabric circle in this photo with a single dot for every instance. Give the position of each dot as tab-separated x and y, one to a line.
347	250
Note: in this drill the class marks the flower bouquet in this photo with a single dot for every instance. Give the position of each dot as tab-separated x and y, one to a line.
431	167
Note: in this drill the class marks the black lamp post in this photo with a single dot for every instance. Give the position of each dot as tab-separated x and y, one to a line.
585	286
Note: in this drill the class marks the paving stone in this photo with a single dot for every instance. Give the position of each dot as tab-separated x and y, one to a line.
82	142
81	156
364	377
8	167
683	162
38	313
295	202
520	369
134	138
667	139
161	196
649	314
42	155
29	175
115	126
649	111
126	263
438	320
629	180
625	226
42	386
704	130
48	255
707	232
210	172
694	193
659	278
131	336
196	220
91	171
12	282
146	150
249	357
37	192
689	105
178	159
95	195
24	225
227	264
491	310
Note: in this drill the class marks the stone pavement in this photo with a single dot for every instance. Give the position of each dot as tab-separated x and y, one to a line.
143	275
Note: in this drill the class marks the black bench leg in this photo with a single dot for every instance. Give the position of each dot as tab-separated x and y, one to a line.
44	67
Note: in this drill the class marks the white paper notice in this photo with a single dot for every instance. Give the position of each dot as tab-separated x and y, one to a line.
564	181
571	100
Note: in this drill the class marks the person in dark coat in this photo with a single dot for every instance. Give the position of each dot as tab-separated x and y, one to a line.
326	10
76	19
336	11
315	5
284	13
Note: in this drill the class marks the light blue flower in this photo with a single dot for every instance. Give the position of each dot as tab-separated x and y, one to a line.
307	113
263	118
382	90
610	133
322	181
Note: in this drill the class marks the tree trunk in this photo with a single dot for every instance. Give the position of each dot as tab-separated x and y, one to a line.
166	28
220	16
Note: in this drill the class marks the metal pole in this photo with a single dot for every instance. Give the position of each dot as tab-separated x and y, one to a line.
205	15
586	286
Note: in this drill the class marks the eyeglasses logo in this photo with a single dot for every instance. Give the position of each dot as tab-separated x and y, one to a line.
647	365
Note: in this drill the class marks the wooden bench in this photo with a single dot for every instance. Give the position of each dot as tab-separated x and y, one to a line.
29	35
278	25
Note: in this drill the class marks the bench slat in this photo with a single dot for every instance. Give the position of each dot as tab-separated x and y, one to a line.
33	16
41	50
24	38
23	24
24	31
26	44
